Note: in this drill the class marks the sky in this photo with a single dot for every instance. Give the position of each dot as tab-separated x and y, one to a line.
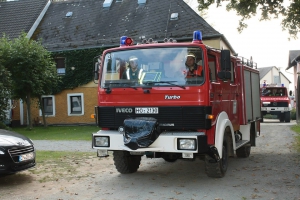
263	40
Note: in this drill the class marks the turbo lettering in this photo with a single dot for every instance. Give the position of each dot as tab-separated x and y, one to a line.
172	97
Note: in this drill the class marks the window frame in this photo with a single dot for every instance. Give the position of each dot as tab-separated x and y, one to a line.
53	105
69	104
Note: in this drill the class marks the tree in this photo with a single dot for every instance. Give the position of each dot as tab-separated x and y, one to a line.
33	71
269	9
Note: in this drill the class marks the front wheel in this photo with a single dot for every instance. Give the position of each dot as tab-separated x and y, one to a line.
217	169
287	117
126	163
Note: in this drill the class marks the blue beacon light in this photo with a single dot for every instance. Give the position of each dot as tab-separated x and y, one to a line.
197	37
123	40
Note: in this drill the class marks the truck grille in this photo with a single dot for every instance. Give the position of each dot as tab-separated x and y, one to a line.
190	117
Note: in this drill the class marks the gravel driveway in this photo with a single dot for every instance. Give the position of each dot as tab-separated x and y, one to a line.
271	172
51	145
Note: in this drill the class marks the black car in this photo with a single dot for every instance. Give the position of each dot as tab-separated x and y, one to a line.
17	152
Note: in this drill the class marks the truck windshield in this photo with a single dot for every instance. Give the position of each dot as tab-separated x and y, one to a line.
273	91
153	67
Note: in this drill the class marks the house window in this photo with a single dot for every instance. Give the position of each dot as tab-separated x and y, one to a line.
60	65
48	105
75	104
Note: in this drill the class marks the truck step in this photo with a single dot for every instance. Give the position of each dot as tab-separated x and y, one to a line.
241	143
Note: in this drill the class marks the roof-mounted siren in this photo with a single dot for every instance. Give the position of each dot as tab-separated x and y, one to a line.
107	3
125	41
171	40
197	37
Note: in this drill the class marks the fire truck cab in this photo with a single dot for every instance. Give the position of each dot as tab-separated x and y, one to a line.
152	102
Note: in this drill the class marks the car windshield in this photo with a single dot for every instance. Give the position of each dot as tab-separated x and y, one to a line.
153	67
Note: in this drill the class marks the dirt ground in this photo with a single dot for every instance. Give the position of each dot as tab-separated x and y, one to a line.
271	172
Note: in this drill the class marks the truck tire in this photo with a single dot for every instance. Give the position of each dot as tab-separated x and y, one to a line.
244	151
281	117
126	163
287	117
170	159
217	169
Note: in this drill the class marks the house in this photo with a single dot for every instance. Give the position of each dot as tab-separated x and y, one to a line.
77	31
272	75
294	62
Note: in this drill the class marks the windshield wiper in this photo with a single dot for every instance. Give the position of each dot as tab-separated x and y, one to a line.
168	82
127	85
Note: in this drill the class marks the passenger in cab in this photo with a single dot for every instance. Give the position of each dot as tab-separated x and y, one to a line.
193	70
133	72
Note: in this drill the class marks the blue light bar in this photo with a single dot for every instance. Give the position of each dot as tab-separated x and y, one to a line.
123	40
197	36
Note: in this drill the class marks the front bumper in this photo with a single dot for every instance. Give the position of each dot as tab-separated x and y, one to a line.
166	142
275	109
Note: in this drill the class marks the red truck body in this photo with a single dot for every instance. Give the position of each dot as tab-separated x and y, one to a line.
166	115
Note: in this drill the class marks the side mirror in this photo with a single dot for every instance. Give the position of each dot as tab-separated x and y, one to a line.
225	60
96	72
291	93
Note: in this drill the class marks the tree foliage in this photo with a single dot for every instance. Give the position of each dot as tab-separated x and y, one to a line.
32	68
5	86
269	9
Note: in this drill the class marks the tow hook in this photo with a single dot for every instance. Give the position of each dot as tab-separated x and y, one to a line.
214	154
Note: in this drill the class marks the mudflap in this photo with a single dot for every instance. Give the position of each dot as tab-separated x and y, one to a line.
140	132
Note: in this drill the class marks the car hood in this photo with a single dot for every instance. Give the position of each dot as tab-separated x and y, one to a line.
10	138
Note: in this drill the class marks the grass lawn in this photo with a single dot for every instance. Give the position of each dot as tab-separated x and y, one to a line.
296	128
59	132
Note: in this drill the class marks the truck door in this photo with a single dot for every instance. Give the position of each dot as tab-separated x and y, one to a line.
215	85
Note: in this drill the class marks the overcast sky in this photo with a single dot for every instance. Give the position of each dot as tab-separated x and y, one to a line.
264	41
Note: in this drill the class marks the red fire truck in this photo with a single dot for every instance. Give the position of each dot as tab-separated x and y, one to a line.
160	112
275	101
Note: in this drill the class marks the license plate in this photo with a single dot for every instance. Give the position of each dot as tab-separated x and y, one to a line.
151	110
28	156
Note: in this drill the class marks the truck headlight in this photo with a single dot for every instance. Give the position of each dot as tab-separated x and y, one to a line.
101	141
186	144
263	108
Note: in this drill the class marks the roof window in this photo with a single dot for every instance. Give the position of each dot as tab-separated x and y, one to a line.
142	1
69	14
174	16
107	3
